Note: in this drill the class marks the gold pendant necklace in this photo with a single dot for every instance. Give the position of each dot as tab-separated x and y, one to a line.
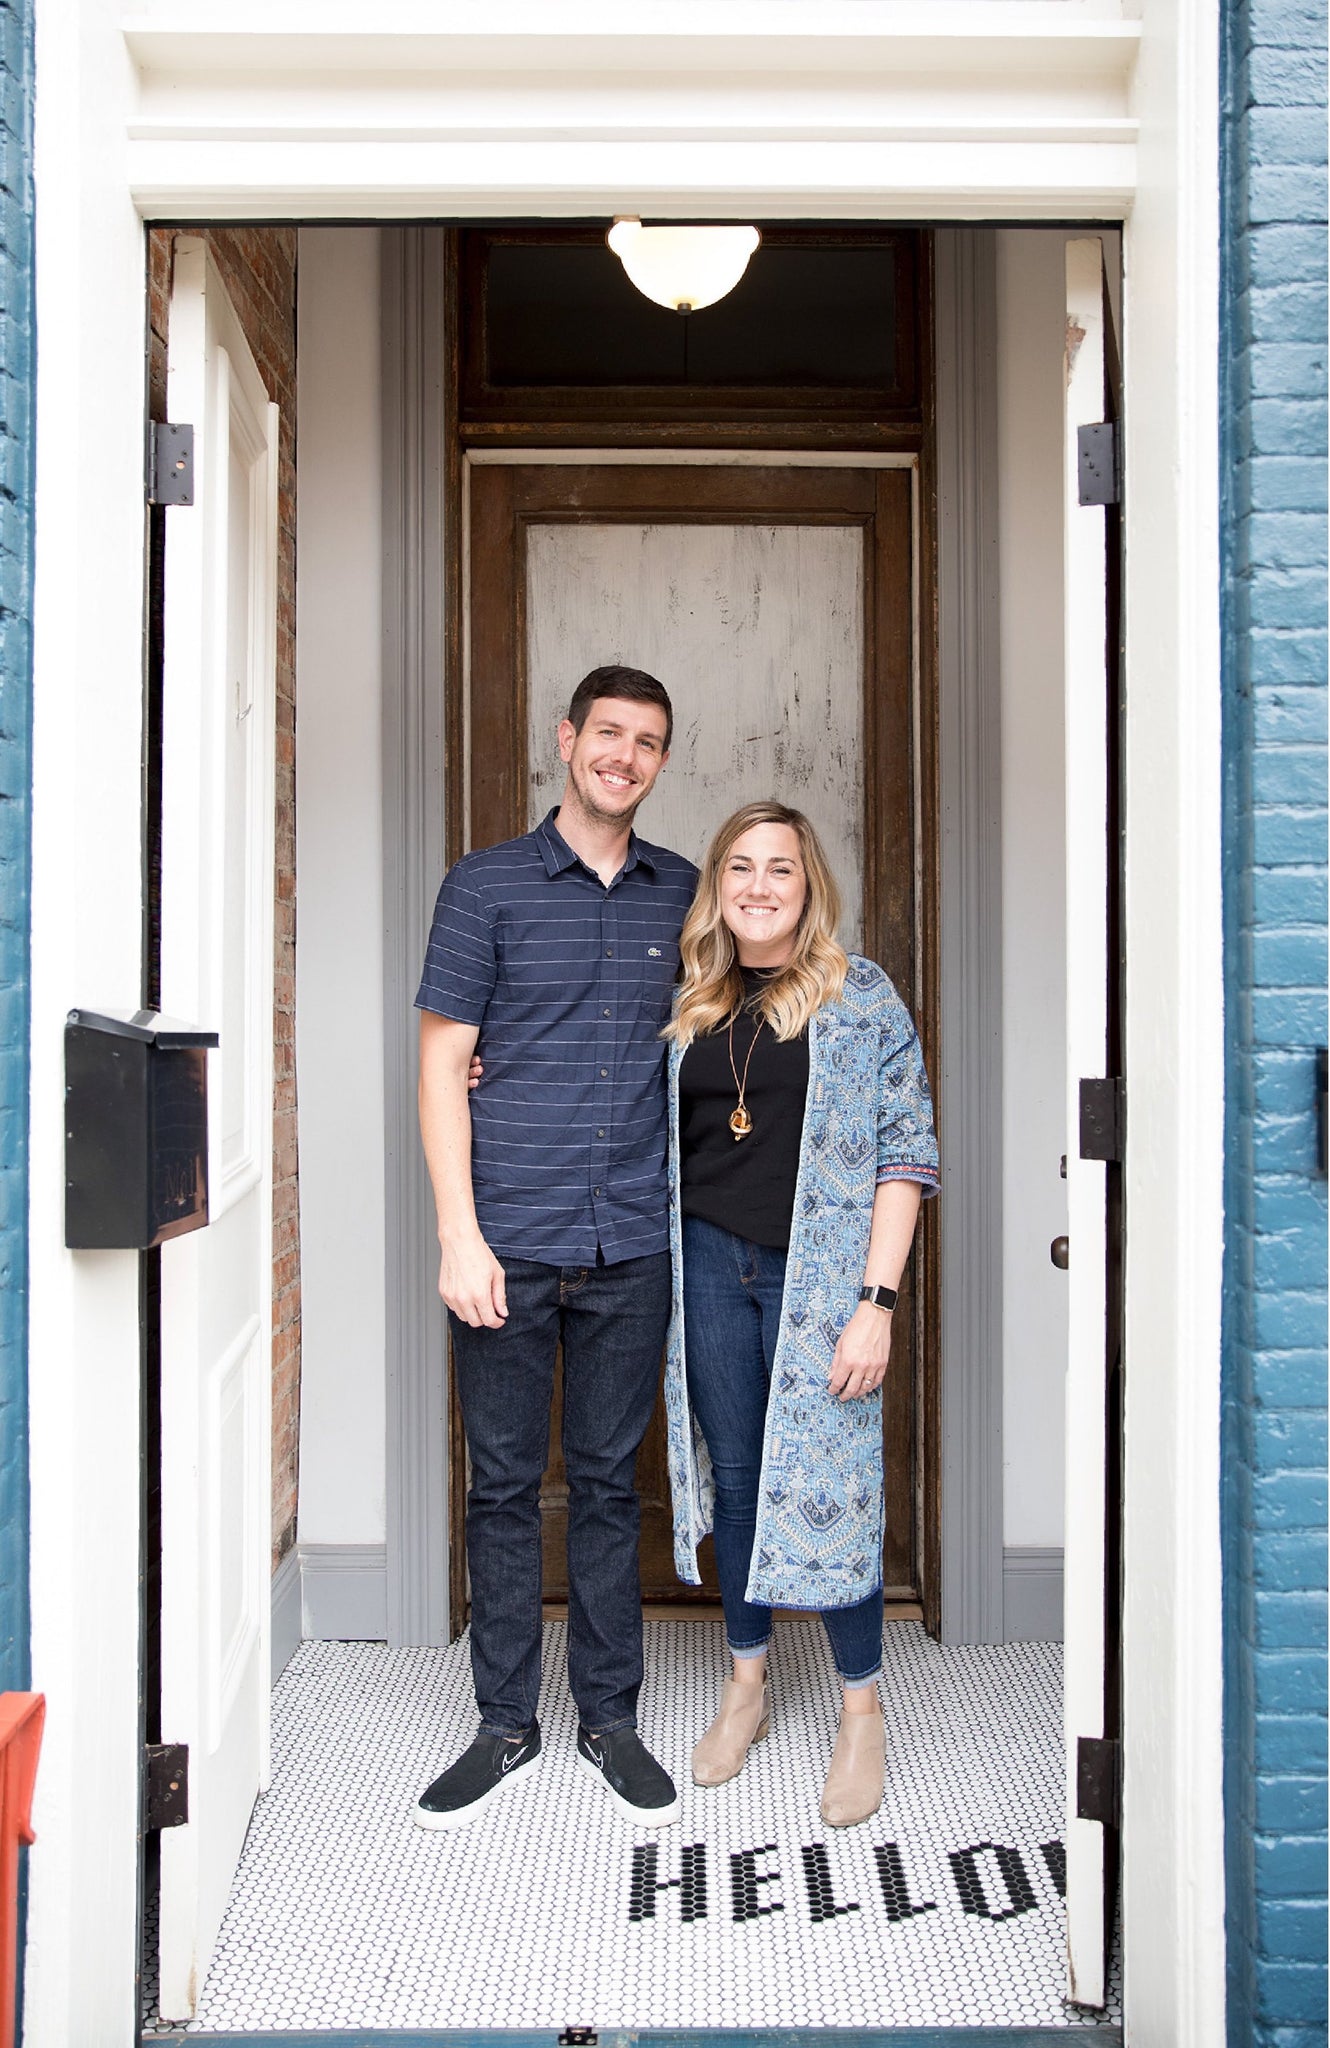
741	1122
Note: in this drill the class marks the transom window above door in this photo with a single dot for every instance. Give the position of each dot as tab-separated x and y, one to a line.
823	323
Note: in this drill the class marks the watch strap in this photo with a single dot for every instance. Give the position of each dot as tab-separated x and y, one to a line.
881	1297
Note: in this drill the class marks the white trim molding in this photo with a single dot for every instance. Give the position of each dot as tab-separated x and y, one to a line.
1172	1813
855	108
84	1465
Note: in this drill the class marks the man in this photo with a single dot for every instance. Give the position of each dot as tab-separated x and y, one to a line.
554	955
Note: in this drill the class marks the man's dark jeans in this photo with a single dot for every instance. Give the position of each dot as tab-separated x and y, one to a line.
611	1321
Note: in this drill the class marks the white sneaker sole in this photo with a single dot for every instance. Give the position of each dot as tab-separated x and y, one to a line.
463	1816
640	1816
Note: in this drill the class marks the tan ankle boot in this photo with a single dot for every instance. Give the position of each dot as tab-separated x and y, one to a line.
853	1791
743	1718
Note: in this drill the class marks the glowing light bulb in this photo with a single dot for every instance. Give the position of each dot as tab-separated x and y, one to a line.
683	268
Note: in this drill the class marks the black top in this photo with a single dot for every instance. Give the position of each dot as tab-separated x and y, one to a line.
747	1184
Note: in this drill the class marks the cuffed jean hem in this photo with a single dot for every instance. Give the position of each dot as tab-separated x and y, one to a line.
854	1684
744	1652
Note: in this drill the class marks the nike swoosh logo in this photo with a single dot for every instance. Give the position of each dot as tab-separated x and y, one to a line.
595	1757
506	1763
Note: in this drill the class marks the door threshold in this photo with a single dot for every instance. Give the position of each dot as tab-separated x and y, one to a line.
709	1610
1104	2036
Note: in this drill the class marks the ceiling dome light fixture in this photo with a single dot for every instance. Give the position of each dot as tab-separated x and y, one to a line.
684	268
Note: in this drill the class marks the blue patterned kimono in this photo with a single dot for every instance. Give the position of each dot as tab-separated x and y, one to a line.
868	1118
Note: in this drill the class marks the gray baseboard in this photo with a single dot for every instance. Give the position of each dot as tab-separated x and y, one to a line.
1031	1594
338	1592
344	1592
286	1616
328	1592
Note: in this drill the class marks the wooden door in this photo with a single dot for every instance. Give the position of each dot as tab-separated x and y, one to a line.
218	756
775	602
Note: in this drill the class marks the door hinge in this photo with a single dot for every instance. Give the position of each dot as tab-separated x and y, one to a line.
165	1785
170	463
1098	471
578	2037
1099	1779
1103	1119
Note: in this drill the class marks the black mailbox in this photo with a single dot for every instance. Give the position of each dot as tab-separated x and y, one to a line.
136	1129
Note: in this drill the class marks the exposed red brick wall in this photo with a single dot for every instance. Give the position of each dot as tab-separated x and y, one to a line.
258	268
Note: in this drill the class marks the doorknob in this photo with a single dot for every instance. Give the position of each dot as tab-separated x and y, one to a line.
1057	1252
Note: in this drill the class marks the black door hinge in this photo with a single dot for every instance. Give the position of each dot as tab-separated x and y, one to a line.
578	2037
1103	1119
165	1786
1098	466
170	463
1099	1779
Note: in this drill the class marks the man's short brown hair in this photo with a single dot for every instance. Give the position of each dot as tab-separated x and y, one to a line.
632	685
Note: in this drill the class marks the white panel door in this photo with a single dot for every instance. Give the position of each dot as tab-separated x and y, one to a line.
759	632
217	948
1086	611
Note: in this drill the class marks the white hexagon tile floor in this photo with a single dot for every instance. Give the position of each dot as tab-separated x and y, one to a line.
552	1911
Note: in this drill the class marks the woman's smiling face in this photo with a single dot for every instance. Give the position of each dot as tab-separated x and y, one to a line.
763	889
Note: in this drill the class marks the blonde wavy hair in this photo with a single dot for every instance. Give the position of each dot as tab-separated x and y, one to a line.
712	990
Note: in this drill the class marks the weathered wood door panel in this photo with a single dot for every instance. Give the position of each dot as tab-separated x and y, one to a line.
776	605
758	632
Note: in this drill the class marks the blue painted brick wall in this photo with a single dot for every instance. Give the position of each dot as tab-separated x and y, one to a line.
1273	470
17	372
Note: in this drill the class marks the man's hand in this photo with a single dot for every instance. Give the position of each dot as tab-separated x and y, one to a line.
471	1280
859	1362
473	1284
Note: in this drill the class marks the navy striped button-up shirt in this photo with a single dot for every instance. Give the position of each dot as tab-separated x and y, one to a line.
570	983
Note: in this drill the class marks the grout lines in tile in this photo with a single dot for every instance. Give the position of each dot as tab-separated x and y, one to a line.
552	1911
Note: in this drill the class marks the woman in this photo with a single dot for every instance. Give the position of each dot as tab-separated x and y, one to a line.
802	1140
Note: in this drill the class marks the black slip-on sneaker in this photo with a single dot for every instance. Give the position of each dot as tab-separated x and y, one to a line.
481	1773
643	1792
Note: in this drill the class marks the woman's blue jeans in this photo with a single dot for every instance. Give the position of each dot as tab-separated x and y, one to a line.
732	1292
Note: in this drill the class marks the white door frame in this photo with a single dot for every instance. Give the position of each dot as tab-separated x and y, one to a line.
1066	113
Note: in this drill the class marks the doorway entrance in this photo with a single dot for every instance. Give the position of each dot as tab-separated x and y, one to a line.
777	601
734	503
636	495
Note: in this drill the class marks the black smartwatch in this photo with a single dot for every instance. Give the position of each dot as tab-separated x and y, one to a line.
881	1297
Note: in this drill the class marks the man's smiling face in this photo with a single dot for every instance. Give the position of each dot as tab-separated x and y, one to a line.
615	759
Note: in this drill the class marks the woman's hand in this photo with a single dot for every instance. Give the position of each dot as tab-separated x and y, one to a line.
474	1072
859	1363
